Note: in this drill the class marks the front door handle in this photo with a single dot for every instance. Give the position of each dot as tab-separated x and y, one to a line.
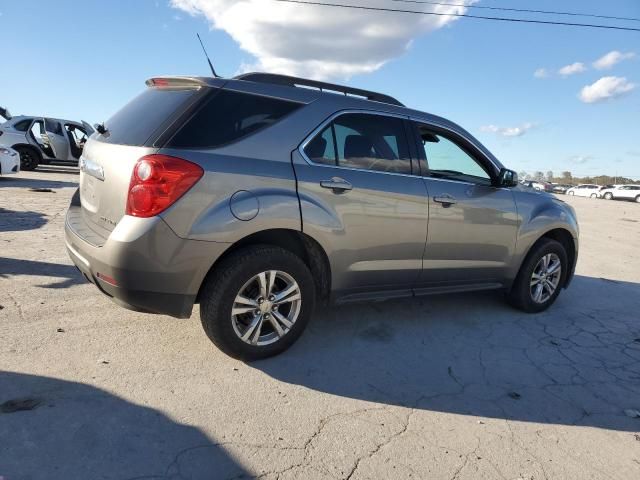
445	200
338	185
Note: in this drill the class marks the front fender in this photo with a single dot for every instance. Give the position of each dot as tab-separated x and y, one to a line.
538	215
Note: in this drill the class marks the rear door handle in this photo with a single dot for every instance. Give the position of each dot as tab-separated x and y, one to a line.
445	200
336	184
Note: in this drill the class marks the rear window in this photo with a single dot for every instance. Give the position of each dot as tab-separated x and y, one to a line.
137	121
229	116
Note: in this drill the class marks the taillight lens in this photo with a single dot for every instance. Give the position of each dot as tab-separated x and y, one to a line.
157	182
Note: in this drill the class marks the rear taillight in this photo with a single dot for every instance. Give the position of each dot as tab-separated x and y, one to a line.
157	182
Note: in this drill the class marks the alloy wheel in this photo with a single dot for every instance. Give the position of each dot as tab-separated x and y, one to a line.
266	308
545	278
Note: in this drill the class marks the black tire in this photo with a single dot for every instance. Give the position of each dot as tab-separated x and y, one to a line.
608	196
571	193
638	199
225	282
29	158
520	295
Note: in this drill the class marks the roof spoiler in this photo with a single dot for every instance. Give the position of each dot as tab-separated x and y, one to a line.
182	82
331	87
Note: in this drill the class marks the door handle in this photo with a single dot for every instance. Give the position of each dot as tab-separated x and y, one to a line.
338	185
445	200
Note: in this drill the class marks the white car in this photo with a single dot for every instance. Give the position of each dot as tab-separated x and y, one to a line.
40	140
9	161
585	190
622	192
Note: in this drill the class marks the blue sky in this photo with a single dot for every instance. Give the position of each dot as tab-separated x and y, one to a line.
84	60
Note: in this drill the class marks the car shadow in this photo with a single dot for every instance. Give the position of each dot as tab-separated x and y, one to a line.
18	221
38	183
68	274
576	364
54	428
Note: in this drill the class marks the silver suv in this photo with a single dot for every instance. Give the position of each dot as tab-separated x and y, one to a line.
260	196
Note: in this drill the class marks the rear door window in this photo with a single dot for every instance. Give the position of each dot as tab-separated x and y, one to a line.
364	142
229	116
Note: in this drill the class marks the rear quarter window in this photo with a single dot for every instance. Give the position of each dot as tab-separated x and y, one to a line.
229	116
23	125
143	116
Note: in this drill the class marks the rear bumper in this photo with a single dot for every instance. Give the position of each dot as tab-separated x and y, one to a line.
154	270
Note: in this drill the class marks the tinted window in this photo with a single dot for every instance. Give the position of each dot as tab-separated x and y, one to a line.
52	126
23	125
141	117
368	142
229	116
446	158
322	148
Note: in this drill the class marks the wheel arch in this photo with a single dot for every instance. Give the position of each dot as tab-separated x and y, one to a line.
299	243
29	146
565	238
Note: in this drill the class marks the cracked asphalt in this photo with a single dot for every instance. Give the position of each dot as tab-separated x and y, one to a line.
443	387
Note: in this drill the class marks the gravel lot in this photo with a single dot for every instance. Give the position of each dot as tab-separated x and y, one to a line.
456	386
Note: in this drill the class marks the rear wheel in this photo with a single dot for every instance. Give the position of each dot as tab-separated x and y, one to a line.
608	196
594	195
638	199
570	193
257	302
29	158
541	277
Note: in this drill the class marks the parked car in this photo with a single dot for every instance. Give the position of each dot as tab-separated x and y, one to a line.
622	192
560	188
585	190
257	199
538	185
9	161
43	140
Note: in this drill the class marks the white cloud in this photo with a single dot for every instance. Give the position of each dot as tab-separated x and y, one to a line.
606	88
610	59
581	159
572	69
315	41
541	73
509	131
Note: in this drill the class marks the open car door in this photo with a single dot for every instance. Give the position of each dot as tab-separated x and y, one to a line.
90	130
57	139
4	113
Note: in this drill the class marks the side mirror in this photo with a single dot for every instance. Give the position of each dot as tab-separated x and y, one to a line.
507	178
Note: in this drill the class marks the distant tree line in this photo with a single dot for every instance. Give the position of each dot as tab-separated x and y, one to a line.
568	178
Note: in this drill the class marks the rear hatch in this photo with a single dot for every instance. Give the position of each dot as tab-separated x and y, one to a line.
111	153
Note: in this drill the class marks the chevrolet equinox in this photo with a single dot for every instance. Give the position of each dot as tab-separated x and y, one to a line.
260	196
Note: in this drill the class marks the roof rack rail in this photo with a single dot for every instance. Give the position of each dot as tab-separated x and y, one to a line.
303	82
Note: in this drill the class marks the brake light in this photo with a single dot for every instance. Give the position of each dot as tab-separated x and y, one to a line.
157	182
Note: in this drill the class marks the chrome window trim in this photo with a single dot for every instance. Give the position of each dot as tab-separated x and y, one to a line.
330	119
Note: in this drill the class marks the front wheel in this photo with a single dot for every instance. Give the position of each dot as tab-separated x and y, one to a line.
594	195
638	199
541	277
570	193
608	196
257	302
